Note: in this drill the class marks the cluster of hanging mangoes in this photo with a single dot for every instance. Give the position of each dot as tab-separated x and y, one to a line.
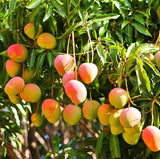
120	120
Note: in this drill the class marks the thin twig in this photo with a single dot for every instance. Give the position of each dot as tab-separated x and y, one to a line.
88	129
68	43
74	54
152	112
89	36
120	82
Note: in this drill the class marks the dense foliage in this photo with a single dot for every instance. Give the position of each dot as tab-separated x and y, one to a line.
117	36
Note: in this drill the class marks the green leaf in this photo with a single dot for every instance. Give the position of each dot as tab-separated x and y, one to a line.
40	62
35	13
19	106
89	141
156	116
108	41
71	29
48	13
32	58
139	18
3	52
34	4
88	4
143	79
12	6
67	6
124	23
128	34
120	8
101	53
48	154
119	34
60	156
14	110
141	28
114	146
4	147
56	141
100	18
50	58
121	49
152	66
99	144
59	8
73	12
113	52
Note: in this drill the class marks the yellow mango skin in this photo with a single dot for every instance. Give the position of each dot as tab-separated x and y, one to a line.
28	76
46	41
31	93
90	109
88	72
51	110
151	137
29	30
37	119
72	114
116	130
114	118
135	129
118	97
13	68
104	113
131	139
15	99
14	86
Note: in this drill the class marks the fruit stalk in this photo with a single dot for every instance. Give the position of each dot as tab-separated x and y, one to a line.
89	36
69	37
152	115
74	54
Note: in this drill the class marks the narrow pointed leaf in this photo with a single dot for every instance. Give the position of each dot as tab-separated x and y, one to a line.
56	141
114	146
100	144
34	4
50	58
141	28
101	53
71	29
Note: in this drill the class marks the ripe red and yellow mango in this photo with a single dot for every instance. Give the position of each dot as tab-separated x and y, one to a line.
29	30
51	110
17	53
72	114
37	119
88	72
46	41
90	109
76	91
13	68
31	93
14	86
104	112
64	63
151	137
118	97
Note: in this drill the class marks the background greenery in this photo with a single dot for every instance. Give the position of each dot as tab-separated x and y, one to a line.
116	35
